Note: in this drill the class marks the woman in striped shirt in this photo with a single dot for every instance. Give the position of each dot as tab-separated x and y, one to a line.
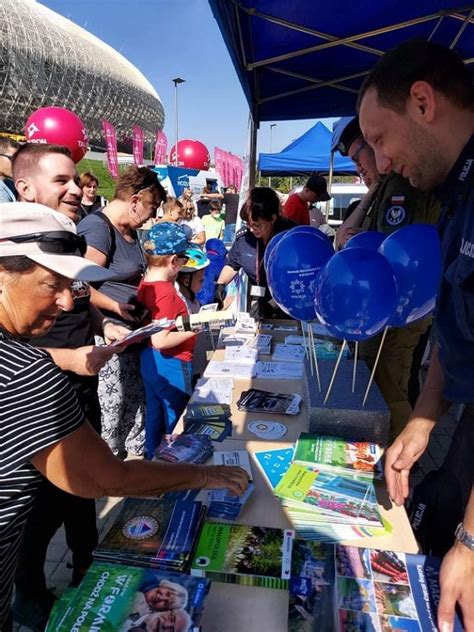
42	429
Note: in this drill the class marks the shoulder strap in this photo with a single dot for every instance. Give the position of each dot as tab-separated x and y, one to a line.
113	242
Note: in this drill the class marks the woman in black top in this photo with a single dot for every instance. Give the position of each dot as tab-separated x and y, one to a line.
262	214
90	202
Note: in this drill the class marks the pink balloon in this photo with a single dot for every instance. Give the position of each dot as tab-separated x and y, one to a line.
192	154
58	126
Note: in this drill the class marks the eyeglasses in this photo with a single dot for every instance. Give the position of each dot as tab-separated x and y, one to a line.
355	157
54	242
7	156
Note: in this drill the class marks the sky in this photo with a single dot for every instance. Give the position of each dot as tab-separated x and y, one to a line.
165	39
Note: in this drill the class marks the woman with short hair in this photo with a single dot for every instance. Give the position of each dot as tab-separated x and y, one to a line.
90	201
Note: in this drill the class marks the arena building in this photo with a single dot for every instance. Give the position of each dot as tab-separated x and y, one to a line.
45	59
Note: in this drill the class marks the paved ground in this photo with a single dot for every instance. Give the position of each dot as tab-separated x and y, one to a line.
59	575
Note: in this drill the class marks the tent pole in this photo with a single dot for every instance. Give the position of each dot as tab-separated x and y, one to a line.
253	150
331	168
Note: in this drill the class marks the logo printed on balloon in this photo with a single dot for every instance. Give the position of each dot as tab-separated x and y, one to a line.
31	129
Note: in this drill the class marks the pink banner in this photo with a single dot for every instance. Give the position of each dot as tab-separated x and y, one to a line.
138	146
219	158
161	147
111	144
229	167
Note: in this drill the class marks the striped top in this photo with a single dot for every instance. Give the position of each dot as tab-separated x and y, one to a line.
37	408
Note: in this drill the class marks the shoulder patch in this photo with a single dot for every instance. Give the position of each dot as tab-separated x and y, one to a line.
395	215
242	231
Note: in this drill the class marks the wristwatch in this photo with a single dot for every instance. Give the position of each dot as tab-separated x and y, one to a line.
464	537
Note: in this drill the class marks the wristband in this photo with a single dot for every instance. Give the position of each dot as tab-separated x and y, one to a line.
464	537
107	321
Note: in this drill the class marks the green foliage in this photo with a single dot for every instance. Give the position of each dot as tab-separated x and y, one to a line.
98	168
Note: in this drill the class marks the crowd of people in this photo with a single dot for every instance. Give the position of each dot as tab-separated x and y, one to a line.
77	273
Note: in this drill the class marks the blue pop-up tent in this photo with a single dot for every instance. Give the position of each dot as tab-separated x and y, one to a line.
310	152
303	59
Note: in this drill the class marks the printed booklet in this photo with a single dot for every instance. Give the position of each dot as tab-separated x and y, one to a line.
120	598
151	532
338	455
242	554
350	589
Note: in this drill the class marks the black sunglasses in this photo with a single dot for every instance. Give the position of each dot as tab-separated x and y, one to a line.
55	242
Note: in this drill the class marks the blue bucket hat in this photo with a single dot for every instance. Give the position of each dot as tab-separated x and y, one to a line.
166	238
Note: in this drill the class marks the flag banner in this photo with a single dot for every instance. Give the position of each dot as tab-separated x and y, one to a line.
108	131
161	146
138	146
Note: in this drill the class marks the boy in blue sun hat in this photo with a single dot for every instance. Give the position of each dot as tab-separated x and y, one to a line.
166	363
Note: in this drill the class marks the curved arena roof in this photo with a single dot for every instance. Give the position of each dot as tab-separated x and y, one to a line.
45	59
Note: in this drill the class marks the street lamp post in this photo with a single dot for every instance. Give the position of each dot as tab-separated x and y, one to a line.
271	138
176	81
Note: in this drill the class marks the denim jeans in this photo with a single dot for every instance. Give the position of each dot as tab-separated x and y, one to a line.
229	233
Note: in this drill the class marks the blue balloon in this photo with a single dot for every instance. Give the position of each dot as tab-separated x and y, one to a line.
271	245
414	253
311	230
293	266
355	294
369	239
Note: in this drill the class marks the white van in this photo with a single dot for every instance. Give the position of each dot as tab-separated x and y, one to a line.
342	194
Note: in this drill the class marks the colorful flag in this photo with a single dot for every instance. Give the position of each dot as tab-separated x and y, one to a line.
138	146
161	147
111	145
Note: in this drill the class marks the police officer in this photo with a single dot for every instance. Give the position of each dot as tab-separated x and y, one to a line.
390	203
416	112
262	214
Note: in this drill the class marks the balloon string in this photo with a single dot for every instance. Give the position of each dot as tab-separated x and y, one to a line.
315	357
375	366
354	370
335	371
306	347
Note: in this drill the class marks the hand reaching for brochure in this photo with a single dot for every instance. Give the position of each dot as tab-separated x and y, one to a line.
235	479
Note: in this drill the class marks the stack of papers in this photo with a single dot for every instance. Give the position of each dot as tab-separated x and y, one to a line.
289	352
213	391
280	370
248	355
210	420
262	342
185	448
151	532
216	368
329	495
221	502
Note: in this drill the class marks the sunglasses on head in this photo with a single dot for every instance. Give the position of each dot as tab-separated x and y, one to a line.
55	242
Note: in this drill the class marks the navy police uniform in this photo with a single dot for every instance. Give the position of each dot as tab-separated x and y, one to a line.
455	311
247	253
397	203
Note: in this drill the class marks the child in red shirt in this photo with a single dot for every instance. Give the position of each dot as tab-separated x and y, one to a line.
166	363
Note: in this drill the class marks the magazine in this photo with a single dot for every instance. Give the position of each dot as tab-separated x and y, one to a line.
331	497
120	598
350	589
258	401
336	454
242	554
151	532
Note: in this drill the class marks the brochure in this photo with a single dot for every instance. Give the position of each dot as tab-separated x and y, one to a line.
120	598
274	463
242	554
213	391
280	370
144	332
336	454
151	532
216	368
258	401
349	589
241	354
289	353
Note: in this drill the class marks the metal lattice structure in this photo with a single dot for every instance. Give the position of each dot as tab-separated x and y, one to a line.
45	59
